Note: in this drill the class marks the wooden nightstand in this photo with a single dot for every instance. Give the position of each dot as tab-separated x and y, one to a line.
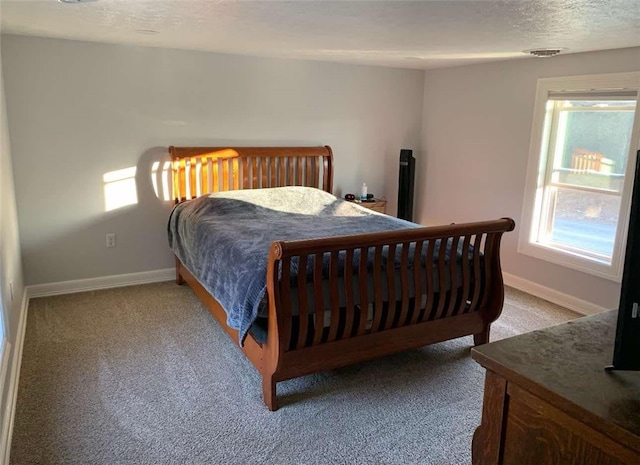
379	206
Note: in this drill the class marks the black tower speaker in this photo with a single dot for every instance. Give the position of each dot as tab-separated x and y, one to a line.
405	185
626	352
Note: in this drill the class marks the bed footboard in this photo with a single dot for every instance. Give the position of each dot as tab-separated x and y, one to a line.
338	300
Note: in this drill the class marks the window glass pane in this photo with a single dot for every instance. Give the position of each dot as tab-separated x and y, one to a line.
585	221
592	143
578	190
589	149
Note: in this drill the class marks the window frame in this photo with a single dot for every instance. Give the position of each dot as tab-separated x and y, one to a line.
538	164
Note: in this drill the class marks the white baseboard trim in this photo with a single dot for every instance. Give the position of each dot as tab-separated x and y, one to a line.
105	282
4	364
564	300
12	395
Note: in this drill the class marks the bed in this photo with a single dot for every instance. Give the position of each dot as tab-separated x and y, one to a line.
312	282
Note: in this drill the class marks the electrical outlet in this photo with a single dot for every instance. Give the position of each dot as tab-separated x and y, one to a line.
11	290
111	240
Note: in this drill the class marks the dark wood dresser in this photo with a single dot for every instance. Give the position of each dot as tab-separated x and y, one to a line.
548	399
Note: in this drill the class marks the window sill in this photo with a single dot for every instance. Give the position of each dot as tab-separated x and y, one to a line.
572	261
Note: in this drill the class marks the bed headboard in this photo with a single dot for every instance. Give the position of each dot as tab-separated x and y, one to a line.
203	170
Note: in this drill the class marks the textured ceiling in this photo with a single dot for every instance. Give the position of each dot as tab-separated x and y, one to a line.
414	34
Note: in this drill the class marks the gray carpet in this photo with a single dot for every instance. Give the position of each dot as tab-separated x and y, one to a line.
144	375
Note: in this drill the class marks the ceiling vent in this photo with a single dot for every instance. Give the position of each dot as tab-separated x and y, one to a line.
544	52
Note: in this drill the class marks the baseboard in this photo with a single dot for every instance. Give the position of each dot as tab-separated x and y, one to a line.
105	282
12	395
4	363
564	300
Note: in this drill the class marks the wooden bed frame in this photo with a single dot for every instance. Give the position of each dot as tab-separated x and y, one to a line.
294	346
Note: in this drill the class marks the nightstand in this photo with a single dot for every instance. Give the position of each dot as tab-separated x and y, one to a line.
379	206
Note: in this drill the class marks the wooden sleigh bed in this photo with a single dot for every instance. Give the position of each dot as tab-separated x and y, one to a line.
357	324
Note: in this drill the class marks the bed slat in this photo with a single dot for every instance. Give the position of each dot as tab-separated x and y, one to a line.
177	185
225	175
216	176
348	292
303	311
291	173
442	277
264	175
364	292
430	310
300	162
285	284
377	289
308	175
316	172
192	186
404	283
318	298
274	172
391	286
417	281
334	296
464	263
208	167
200	177
453	278
253	178
283	167
245	174
476	272
235	165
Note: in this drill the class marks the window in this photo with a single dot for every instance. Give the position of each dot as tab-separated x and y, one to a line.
581	169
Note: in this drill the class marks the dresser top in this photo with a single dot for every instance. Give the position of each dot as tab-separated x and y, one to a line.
565	364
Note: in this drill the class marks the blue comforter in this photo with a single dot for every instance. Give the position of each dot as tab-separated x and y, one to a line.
224	238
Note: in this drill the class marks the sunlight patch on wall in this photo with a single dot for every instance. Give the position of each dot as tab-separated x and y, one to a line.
160	179
120	188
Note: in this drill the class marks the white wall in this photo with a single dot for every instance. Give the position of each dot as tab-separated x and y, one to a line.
476	129
10	263
78	110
